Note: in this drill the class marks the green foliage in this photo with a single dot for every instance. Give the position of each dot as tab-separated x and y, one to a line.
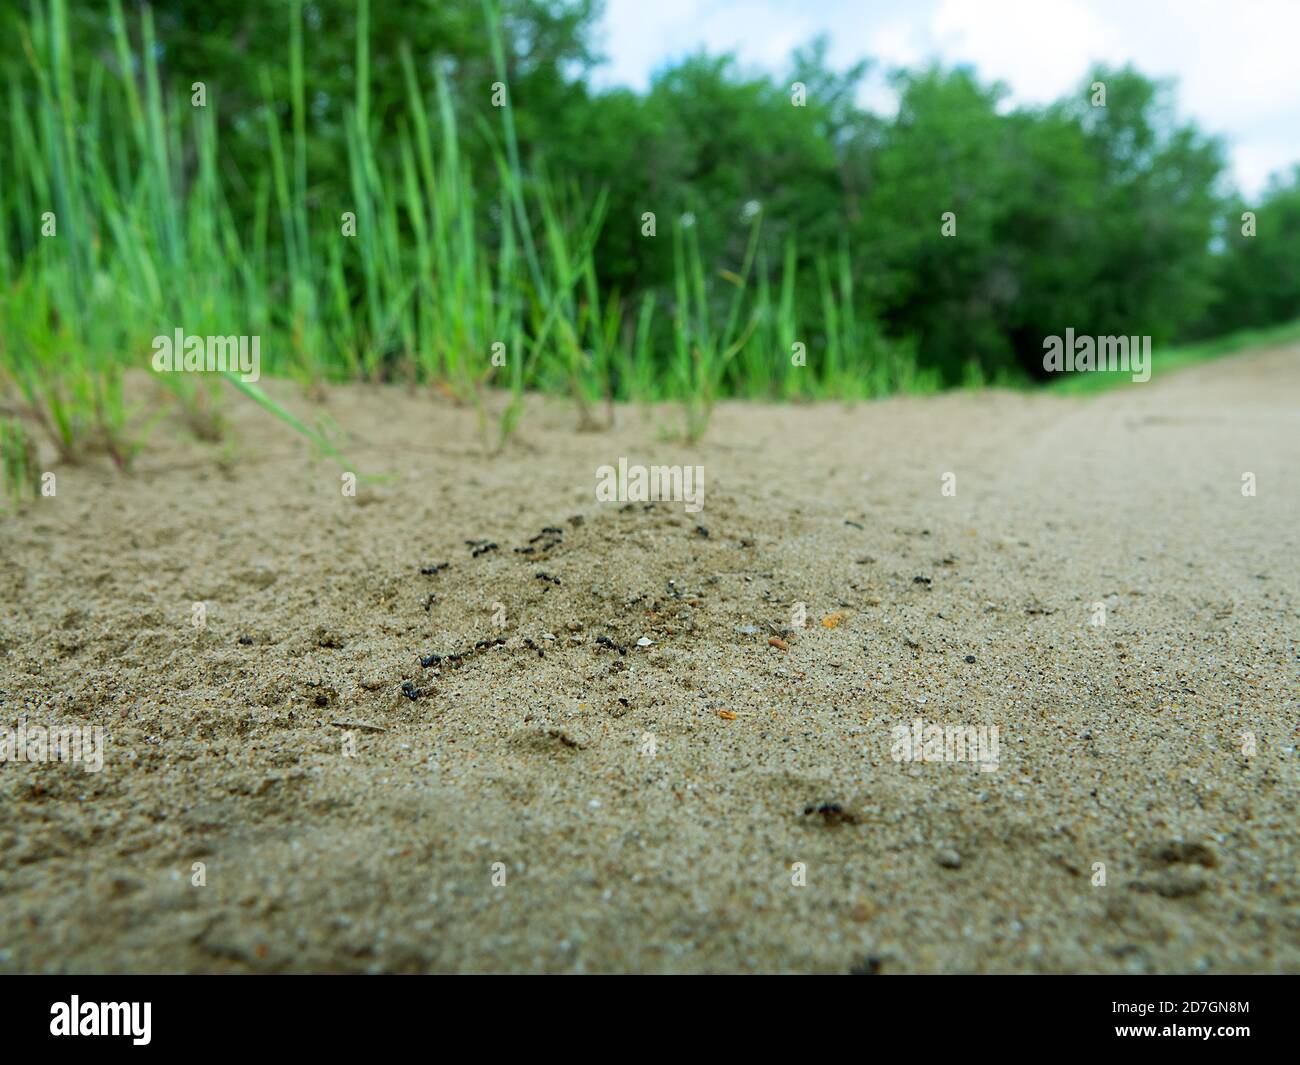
19	477
1147	266
948	151
1258	277
1097	218
517	230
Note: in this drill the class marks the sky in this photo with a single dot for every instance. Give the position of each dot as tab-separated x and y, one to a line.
1236	62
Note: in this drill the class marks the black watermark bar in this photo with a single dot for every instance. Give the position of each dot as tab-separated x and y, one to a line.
334	1014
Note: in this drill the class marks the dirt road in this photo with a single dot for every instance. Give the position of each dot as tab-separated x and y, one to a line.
1091	581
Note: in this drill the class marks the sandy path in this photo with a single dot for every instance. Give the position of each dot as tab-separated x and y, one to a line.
1120	744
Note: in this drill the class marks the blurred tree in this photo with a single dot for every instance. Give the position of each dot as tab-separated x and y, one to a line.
948	151
1258	277
228	44
1104	219
1147	264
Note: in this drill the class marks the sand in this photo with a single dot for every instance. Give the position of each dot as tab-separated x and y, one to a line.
710	801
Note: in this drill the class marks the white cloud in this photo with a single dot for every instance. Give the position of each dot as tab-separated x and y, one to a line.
1235	60
1041	48
641	35
896	44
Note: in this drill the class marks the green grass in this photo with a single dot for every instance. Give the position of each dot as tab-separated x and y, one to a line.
1171	359
19	477
433	281
444	268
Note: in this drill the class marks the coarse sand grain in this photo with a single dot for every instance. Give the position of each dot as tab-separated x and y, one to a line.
627	738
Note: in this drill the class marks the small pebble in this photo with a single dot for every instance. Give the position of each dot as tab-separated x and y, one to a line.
949	858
